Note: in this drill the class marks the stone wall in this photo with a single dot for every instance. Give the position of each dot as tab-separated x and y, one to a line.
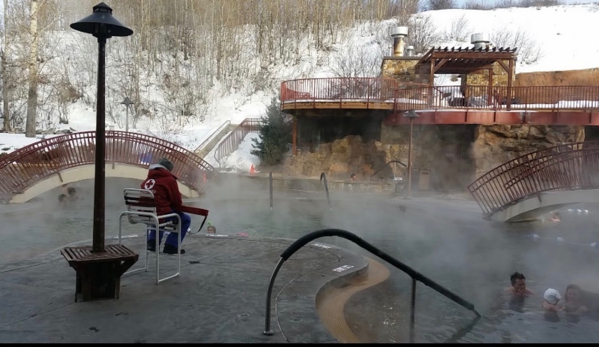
496	144
587	77
402	69
343	157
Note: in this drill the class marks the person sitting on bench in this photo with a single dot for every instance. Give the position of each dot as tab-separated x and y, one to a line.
167	198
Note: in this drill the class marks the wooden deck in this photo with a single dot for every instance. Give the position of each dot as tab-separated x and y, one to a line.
567	105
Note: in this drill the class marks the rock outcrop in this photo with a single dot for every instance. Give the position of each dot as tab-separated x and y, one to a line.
343	157
496	144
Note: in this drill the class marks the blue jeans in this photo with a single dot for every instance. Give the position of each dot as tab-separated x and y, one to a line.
171	239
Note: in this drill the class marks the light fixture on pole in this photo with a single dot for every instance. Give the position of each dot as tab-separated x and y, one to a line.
102	25
127	102
411	115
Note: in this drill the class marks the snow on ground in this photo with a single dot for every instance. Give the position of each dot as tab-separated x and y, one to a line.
559	33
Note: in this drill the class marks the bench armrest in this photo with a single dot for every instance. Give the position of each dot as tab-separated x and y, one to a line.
195	210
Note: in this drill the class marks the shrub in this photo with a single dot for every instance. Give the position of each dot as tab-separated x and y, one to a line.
275	136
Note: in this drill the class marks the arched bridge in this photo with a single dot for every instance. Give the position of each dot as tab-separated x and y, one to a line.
41	166
539	182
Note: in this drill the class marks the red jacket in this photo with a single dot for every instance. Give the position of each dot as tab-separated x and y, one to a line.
166	191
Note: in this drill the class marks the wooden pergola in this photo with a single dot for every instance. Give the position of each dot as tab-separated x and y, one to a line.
464	61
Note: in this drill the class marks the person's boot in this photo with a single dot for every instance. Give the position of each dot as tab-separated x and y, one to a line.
152	245
168	249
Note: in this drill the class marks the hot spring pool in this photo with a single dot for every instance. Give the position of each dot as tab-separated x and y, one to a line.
446	241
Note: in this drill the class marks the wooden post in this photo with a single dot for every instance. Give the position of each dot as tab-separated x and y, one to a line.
490	91
294	135
509	84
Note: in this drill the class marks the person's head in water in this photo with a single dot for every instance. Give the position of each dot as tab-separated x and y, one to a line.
62	198
518	283
573	293
72	192
211	229
166	163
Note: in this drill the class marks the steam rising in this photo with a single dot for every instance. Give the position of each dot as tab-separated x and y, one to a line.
445	240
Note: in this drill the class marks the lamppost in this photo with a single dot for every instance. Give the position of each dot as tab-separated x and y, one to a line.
102	25
127	102
411	115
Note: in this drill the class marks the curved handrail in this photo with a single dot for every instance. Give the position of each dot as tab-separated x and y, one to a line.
323	178
415	275
567	166
384	166
37	161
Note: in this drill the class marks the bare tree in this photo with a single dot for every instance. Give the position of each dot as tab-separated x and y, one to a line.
5	73
33	71
528	50
357	61
434	5
459	29
423	33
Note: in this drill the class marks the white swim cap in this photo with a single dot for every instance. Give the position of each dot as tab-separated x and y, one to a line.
552	296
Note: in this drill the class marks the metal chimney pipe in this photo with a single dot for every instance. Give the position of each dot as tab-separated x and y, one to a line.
398	34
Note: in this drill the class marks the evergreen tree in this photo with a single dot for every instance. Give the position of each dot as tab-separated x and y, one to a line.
275	136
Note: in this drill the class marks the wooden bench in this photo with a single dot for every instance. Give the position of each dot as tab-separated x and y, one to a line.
99	274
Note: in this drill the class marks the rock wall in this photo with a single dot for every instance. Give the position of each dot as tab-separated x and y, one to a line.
402	69
496	144
343	157
587	77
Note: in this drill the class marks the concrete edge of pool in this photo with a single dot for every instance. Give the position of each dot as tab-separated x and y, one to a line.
220	299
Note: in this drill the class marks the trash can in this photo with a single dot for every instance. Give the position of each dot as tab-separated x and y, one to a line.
424	180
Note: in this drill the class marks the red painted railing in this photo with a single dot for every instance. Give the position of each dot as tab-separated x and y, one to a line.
418	97
231	142
31	164
564	167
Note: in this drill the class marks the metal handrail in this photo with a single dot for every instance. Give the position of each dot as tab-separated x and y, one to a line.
563	167
323	178
211	137
384	166
415	275
424	97
231	141
270	188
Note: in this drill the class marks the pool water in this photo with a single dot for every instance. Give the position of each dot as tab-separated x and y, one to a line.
446	241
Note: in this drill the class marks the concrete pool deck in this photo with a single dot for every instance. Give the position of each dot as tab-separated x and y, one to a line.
219	296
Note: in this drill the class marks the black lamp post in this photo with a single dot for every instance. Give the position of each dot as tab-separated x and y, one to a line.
102	25
411	115
127	102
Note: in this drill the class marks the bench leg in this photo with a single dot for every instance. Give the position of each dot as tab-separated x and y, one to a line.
98	280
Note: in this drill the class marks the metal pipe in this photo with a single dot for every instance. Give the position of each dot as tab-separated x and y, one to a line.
270	187
99	178
267	330
410	160
323	176
413	310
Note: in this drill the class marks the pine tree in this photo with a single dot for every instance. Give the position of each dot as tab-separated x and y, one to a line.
275	136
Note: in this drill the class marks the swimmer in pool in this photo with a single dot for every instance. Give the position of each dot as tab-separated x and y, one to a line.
518	287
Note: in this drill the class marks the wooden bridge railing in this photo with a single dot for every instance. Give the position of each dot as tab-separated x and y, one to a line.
28	165
422	97
231	142
570	166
